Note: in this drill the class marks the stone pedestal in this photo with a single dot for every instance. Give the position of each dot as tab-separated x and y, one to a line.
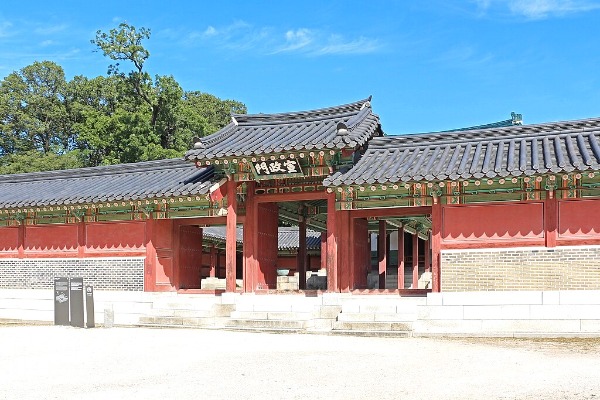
287	282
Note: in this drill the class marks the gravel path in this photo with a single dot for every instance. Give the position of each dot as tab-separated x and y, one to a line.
47	362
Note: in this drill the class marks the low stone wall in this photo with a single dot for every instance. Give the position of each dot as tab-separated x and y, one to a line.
123	273
535	268
510	313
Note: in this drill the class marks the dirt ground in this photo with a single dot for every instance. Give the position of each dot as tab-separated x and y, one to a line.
48	362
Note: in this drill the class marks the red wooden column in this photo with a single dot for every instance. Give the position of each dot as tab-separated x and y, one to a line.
332	259
150	264
323	250
230	246
415	261
213	261
436	244
250	233
301	249
382	253
344	250
550	218
427	245
81	238
21	240
401	257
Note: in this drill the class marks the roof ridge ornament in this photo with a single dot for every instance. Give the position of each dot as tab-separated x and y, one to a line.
516	119
366	104
342	129
235	122
198	143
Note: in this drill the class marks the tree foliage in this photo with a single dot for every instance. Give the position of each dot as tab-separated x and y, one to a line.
47	122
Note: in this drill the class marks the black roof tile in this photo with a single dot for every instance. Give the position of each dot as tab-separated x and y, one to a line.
491	152
254	134
163	178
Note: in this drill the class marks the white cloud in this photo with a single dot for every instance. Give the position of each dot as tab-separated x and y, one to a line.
46	43
49	30
6	29
241	36
538	9
535	9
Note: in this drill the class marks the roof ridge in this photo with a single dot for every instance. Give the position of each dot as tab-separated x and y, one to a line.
489	134
358	104
143	166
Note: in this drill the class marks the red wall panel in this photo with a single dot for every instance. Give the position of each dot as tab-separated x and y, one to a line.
115	236
9	239
51	238
268	215
579	219
489	223
190	257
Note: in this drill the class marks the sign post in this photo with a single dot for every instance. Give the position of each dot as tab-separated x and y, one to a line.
89	306
76	294
61	301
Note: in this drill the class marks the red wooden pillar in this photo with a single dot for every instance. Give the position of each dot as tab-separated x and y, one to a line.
21	240
344	250
230	246
213	261
382	253
323	250
150	263
401	257
436	244
81	238
427	254
550	218
415	261
332	258
250	233
302	249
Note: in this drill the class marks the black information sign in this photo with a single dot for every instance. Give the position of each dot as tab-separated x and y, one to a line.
76	292
89	306
61	301
270	169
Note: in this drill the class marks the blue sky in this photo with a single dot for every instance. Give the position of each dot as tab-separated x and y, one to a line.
430	65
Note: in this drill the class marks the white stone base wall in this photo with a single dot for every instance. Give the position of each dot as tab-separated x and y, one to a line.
118	273
510	313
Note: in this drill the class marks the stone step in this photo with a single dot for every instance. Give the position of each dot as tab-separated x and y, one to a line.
274	315
266	324
372	333
377	317
372	326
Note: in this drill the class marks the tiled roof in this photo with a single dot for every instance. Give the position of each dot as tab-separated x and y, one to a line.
288	237
164	178
339	127
510	151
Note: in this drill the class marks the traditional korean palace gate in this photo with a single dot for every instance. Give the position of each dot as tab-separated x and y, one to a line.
446	211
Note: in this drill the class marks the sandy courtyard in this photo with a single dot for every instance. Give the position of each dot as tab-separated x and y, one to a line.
47	362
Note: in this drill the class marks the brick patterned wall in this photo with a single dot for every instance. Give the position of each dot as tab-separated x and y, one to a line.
572	268
103	274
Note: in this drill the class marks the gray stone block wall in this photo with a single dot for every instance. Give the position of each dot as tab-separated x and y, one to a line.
570	268
104	274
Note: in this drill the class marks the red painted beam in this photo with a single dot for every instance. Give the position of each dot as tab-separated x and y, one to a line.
230	245
390	212
300	196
